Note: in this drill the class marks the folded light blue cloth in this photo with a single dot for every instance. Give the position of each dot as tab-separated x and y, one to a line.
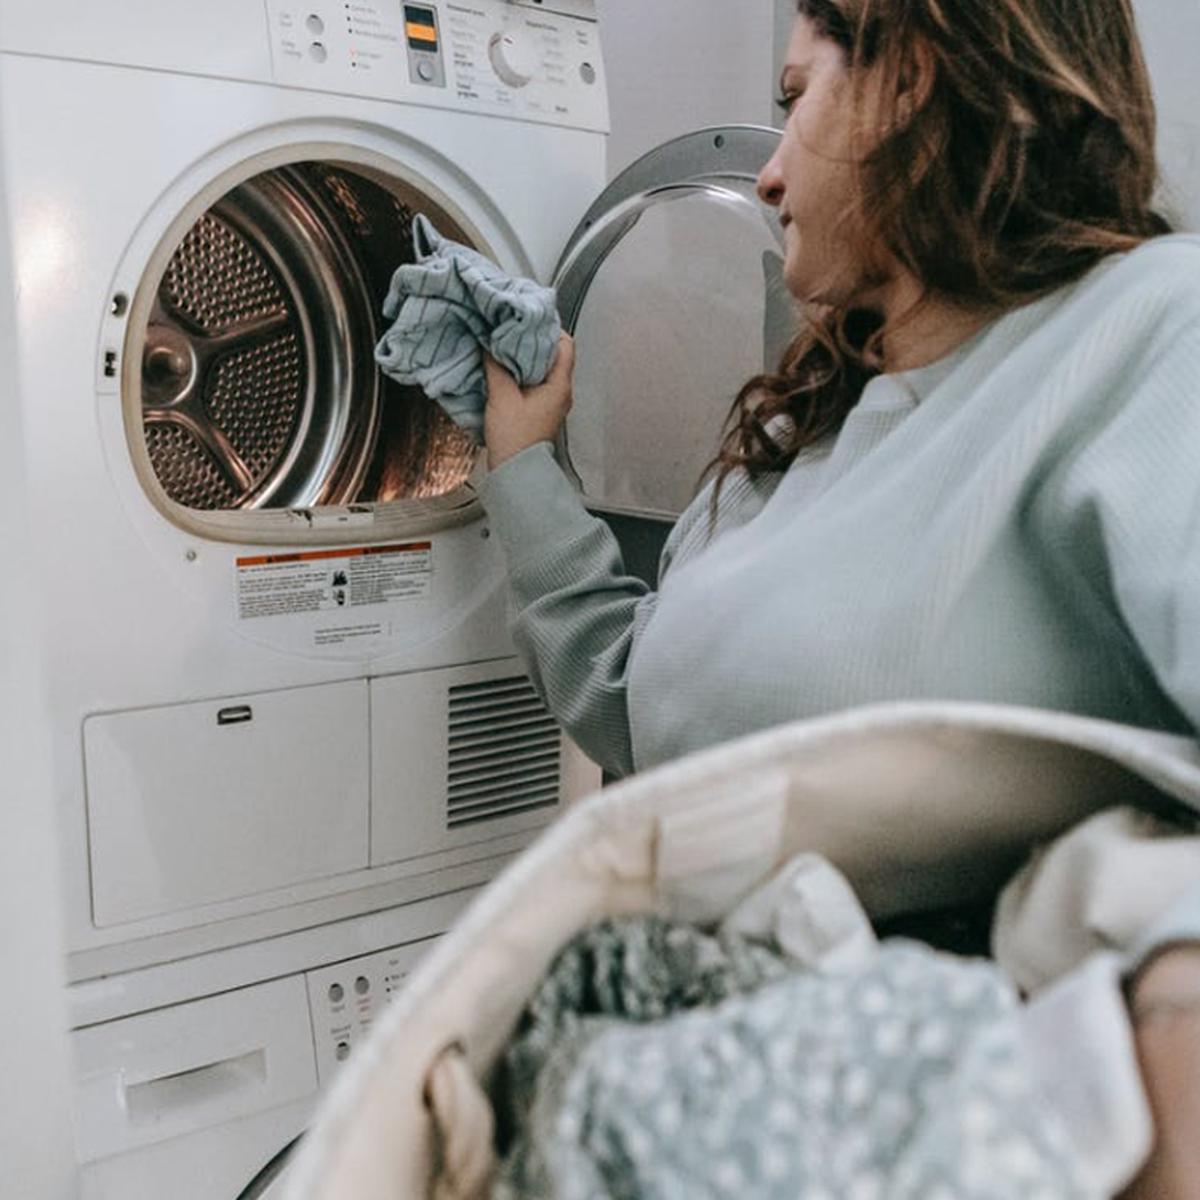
451	305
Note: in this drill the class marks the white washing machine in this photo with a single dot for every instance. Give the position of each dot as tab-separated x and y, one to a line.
290	732
204	1084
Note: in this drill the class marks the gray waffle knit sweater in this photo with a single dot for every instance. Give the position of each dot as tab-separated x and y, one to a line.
1019	523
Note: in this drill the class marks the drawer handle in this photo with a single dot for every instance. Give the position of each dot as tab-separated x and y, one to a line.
238	714
170	1095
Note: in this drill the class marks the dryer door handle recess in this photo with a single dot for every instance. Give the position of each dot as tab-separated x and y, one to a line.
235	714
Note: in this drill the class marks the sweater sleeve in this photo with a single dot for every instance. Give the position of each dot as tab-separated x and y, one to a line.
578	612
1126	495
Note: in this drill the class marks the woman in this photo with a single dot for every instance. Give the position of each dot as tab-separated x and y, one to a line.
1002	513
973	476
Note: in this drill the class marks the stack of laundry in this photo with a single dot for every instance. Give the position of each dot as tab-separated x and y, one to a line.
784	1054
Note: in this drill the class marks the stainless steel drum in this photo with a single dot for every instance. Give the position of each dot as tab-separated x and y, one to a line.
258	383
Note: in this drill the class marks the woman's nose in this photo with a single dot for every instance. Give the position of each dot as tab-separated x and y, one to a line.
770	182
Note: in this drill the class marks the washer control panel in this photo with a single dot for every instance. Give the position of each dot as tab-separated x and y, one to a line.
517	58
346	999
423	40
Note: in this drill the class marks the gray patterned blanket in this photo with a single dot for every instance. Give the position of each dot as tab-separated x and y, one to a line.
661	1062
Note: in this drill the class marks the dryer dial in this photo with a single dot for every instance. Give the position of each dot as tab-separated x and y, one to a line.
511	59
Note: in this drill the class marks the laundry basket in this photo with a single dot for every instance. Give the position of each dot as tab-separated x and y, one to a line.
921	806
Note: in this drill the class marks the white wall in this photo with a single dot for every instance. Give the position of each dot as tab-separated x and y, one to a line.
785	16
678	65
1171	35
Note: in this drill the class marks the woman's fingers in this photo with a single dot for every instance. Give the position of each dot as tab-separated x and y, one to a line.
500	384
1165	1006
516	419
558	384
564	360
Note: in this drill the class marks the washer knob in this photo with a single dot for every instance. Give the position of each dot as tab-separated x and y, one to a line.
510	59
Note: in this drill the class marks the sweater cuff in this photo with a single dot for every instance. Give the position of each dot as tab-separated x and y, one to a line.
532	505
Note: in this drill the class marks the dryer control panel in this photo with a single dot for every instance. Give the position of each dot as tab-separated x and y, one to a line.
347	998
513	58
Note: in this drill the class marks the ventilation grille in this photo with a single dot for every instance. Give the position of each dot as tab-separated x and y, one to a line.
505	752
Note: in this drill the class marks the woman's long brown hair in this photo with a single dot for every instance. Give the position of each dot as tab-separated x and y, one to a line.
1028	158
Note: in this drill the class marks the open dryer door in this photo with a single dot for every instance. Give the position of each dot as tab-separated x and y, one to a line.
672	286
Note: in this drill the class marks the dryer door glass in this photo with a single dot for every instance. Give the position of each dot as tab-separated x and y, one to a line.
257	386
673	290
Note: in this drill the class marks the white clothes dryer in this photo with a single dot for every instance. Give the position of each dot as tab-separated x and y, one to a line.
282	686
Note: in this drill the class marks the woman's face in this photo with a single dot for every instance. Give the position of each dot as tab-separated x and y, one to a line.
811	177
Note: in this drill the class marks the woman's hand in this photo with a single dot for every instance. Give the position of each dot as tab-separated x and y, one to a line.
1166	1013
514	419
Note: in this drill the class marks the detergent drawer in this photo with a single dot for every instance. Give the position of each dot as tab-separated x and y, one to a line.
193	804
182	1069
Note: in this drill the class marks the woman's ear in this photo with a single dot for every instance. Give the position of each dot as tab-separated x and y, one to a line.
918	74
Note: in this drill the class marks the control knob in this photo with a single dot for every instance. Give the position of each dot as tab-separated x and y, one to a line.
510	59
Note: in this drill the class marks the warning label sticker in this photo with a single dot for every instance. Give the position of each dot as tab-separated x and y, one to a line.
333	581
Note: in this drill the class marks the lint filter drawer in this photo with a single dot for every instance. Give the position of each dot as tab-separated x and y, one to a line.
194	804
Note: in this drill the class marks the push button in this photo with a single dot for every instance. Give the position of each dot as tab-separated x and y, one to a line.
425	70
317	52
315	25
